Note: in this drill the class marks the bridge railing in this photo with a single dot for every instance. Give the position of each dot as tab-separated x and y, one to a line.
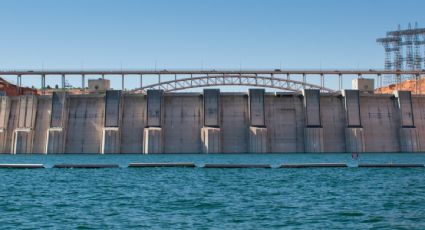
174	80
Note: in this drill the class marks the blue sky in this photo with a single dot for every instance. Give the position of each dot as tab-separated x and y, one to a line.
89	34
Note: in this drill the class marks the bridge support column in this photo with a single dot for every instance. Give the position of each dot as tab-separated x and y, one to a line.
152	134
409	139
211	132
56	134
4	121
257	129
23	135
111	138
354	136
313	132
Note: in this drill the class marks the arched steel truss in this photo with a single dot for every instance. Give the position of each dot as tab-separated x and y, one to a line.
234	80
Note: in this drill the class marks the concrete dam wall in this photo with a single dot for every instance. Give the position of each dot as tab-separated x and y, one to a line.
213	122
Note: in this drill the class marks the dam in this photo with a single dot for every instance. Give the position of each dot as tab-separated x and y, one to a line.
212	122
301	116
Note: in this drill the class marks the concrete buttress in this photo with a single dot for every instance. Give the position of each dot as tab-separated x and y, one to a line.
354	134
211	132
409	139
313	132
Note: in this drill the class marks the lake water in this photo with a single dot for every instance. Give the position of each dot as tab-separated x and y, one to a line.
346	198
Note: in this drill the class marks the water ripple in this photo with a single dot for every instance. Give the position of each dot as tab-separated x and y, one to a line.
182	198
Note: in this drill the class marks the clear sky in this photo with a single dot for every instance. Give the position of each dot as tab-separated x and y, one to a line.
89	34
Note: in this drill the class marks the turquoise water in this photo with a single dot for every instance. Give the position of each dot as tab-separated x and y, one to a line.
346	198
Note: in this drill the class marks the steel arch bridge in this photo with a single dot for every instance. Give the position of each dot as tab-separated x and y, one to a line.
279	83
185	79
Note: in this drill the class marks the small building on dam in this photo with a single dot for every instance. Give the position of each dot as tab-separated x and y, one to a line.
212	122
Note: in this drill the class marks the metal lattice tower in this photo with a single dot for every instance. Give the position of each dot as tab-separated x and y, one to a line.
398	62
393	58
423	46
416	43
388	63
412	40
409	50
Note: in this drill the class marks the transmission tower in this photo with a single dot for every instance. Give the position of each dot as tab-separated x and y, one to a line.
416	43
393	59
412	40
